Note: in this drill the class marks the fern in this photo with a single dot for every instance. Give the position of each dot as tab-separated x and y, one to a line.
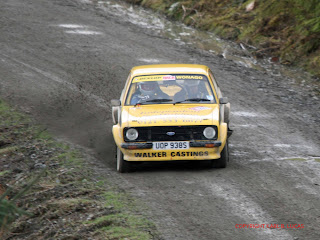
9	212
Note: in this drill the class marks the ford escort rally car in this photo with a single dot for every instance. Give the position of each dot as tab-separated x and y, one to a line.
171	112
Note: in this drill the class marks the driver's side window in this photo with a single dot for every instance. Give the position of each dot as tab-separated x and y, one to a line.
215	84
134	90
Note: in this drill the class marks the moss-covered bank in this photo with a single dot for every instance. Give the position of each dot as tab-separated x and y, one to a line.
287	30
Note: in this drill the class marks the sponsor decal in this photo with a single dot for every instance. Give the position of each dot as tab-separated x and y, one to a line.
165	77
168	77
167	121
171	112
189	77
149	155
189	154
200	108
153	78
145	122
147	78
173	154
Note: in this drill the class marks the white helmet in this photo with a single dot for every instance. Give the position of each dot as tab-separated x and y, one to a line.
147	88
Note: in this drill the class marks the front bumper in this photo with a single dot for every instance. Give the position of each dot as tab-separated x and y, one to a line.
148	145
198	150
202	150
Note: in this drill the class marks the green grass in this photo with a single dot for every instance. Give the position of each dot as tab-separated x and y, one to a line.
43	135
71	158
122	225
8	150
125	233
115	200
9	117
3	173
100	183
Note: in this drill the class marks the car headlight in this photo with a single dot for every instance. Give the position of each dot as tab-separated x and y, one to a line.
132	134
209	132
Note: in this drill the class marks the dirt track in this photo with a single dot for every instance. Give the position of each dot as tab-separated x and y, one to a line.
63	60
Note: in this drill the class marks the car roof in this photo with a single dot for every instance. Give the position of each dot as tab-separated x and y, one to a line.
169	68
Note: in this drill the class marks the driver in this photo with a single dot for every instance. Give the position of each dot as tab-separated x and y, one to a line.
191	90
148	91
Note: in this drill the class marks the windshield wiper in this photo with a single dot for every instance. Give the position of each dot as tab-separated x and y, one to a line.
140	103
193	100
160	100
153	100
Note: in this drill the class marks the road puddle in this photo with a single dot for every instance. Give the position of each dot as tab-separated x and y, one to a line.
79	29
72	26
245	114
84	32
281	145
149	60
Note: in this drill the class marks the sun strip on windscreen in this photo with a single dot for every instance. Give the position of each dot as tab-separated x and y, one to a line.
154	78
166	77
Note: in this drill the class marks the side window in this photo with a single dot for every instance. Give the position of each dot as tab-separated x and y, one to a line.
215	84
124	89
133	89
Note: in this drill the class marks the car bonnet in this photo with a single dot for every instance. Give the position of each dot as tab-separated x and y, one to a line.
170	115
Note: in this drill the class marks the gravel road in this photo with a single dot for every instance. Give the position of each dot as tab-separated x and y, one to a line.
63	60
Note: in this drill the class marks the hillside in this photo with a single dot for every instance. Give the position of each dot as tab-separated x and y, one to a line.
286	30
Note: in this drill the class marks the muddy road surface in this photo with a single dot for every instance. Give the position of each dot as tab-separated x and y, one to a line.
63	60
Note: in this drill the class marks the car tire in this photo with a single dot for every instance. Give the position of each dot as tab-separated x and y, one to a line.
224	158
123	166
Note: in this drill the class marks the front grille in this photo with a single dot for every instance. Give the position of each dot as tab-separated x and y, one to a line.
181	133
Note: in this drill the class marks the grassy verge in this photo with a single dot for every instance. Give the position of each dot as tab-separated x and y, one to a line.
68	201
286	30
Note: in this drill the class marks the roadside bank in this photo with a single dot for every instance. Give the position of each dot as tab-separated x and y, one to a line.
70	200
286	32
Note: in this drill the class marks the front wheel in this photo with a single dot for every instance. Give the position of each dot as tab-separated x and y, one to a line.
123	166
224	158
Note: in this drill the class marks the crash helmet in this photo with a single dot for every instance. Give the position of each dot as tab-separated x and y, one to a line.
192	87
191	83
147	88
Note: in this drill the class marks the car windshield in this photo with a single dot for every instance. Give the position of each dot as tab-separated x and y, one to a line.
170	89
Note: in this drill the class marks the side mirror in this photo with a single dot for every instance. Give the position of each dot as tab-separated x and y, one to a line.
115	102
223	100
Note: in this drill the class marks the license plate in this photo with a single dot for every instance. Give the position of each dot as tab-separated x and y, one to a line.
170	145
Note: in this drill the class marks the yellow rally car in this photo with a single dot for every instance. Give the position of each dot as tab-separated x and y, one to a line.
171	112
